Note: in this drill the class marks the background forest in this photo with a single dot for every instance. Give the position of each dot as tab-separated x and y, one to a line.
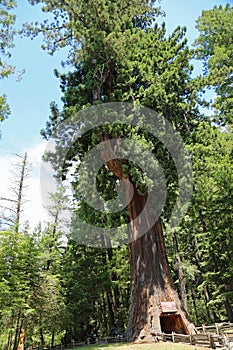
58	289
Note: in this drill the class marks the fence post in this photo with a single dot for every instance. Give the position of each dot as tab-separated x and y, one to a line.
209	340
225	341
217	328
212	344
173	337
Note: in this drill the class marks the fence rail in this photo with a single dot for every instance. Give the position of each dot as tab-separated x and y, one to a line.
218	336
209	340
218	328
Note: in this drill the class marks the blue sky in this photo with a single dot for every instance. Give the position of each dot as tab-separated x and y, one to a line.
29	99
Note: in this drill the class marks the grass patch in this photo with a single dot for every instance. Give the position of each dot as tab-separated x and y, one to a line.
151	346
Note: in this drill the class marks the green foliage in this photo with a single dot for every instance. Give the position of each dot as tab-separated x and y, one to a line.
4	108
87	24
206	234
215	47
7	32
30	294
96	287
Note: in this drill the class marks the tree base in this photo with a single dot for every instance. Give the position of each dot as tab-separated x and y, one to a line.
155	307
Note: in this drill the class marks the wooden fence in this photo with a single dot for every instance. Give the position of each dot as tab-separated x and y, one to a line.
218	328
218	336
201	339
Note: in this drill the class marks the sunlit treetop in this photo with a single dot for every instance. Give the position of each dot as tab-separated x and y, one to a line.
78	23
7	32
214	47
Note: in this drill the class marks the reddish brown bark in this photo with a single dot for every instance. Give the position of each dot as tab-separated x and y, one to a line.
151	284
151	281
21	340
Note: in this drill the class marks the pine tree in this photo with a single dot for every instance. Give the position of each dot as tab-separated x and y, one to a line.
214	47
7	32
205	234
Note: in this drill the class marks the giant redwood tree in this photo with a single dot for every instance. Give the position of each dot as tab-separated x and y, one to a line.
118	54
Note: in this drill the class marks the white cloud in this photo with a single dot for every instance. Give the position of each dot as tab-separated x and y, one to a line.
34	211
36	152
4	175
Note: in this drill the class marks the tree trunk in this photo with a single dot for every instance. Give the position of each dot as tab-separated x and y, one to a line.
53	338
109	297
112	321
21	340
9	340
10	332
15	204
104	312
193	295
229	310
183	291
17	331
154	305
206	292
41	332
20	191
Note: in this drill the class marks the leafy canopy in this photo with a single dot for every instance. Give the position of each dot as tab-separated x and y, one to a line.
7	32
215	47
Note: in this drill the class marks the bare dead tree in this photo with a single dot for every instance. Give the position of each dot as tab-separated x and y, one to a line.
12	207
